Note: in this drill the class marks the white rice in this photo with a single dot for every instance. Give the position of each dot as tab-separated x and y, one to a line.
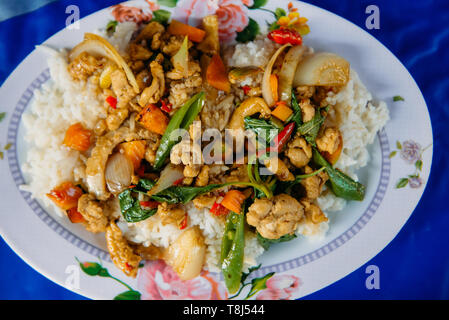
63	102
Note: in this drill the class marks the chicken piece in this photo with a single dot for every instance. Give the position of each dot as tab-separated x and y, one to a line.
150	152
156	42
191	170
329	141
96	164
204	201
216	113
143	79
211	42
171	213
312	212
101	127
238	173
148	253
138	52
92	212
174	43
299	152
154	93
276	217
83	66
307	110
116	117
121	252
305	92
121	88
183	90
202	179
314	185
149	31
279	168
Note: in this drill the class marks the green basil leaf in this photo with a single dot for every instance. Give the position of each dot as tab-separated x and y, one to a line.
309	130
266	243
182	194
131	209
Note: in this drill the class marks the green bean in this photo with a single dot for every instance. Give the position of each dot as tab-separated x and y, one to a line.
183	118
232	250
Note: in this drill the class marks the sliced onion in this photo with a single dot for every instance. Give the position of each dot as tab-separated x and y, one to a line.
291	60
266	90
169	176
181	59
118	172
322	69
98	46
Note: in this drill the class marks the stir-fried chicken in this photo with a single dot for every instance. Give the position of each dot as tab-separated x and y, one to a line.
83	66
154	92
92	212
329	141
299	152
277	217
314	185
122	90
121	252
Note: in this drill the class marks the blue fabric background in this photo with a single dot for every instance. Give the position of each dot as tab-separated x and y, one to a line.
415	265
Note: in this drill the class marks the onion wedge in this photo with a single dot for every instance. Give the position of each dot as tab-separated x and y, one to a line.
169	176
98	46
322	69
287	73
266	90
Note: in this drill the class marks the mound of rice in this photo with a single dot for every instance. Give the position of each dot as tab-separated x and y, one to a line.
62	102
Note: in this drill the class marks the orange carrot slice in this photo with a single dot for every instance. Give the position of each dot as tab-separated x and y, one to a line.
135	151
217	75
179	28
65	195
153	119
282	112
274	87
233	201
74	215
77	137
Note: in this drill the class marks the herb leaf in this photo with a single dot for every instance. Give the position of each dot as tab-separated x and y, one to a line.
131	209
265	130
182	194
266	243
111	26
311	128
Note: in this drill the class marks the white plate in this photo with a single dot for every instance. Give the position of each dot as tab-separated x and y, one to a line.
50	244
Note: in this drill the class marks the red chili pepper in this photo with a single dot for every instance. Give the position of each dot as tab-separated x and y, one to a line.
246	89
75	216
112	102
280	140
183	224
141	171
131	186
149	204
178	182
219	210
284	36
166	106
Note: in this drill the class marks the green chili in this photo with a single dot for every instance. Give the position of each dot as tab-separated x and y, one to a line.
341	185
232	250
183	118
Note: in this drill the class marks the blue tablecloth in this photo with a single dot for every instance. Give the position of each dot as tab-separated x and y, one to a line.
415	265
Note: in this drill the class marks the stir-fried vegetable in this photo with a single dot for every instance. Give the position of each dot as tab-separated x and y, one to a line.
170	176
297	115
66	195
309	130
218	209
98	46
233	200
266	243
248	108
282	112
340	184
333	157
287	73
180	60
77	137
132	210
134	150
322	69
118	172
183	118
232	250
179	28
74	215
153	119
216	74
267	92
